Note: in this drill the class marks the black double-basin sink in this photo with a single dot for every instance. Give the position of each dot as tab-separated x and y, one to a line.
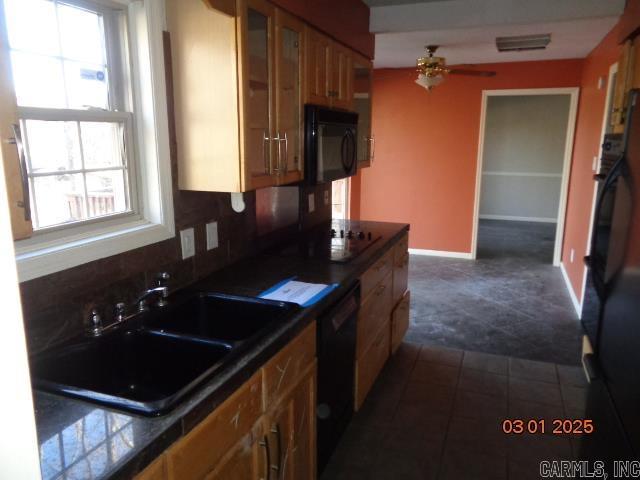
151	362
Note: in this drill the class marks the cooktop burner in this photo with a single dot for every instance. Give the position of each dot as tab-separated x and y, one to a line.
343	242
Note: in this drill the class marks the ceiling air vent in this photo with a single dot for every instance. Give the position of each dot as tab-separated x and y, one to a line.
523	42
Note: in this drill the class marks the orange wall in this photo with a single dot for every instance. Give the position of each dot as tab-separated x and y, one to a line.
586	146
424	171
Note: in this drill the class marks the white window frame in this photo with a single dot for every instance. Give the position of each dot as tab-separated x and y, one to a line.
59	249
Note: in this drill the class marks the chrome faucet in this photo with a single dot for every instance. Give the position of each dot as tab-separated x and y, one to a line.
95	328
161	290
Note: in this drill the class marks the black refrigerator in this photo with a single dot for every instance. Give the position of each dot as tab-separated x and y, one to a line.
611	314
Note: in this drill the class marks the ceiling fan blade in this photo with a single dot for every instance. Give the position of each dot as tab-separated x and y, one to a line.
475	73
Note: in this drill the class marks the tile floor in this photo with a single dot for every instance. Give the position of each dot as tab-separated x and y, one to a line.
510	301
436	413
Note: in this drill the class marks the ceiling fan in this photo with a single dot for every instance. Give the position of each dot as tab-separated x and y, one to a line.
432	70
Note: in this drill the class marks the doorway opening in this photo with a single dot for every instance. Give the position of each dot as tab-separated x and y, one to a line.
524	154
340	199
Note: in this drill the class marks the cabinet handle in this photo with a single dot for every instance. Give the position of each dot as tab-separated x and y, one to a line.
266	156
380	290
22	162
372	140
264	443
286	153
276	431
278	141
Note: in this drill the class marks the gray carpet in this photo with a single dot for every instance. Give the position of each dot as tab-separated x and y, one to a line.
510	301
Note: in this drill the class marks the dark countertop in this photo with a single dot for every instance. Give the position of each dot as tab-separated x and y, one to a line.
86	441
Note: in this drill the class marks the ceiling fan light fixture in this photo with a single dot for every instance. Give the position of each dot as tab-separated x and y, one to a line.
522	43
429	81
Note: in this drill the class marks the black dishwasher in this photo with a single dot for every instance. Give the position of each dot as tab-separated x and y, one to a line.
336	345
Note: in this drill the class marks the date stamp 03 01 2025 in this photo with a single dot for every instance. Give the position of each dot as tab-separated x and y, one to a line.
569	469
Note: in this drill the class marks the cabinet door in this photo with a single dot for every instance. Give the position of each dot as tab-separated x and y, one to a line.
624	80
247	460
289	73
15	168
318	51
304	427
257	79
400	321
341	77
362	98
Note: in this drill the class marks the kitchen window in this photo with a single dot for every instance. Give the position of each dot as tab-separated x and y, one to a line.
69	69
89	85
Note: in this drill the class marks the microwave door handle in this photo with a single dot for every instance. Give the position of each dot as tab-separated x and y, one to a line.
319	156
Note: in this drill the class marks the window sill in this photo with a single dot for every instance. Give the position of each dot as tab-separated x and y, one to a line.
44	258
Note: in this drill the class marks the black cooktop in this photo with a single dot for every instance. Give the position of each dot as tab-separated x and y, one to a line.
341	242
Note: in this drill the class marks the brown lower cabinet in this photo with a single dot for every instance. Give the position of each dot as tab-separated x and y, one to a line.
383	318
252	436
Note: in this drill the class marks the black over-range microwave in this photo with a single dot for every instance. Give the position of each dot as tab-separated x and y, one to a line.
330	144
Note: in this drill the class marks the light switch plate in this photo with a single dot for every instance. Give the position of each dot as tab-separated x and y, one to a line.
212	235
572	255
326	198
187	242
312	203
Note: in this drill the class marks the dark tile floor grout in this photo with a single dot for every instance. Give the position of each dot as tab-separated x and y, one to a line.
510	301
458	428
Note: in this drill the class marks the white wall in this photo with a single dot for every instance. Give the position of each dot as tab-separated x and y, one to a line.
523	156
19	458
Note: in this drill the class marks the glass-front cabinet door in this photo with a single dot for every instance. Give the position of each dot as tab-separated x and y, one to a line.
289	66
362	90
257	76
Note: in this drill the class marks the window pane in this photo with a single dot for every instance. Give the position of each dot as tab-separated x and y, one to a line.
53	146
38	80
58	199
81	35
86	85
101	144
106	193
32	26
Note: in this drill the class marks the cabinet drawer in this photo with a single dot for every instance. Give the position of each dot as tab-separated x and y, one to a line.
285	369
200	450
374	311
400	321
375	274
369	365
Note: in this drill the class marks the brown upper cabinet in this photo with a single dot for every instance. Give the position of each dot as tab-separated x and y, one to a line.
237	81
13	160
362	98
329	72
627	78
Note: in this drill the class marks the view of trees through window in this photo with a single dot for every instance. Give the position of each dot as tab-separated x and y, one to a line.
73	126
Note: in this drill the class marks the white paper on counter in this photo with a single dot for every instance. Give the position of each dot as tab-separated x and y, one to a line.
295	292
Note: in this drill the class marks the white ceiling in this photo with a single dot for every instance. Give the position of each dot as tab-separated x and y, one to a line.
466	29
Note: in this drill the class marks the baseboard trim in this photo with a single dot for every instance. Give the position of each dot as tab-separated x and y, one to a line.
574	299
441	253
519	219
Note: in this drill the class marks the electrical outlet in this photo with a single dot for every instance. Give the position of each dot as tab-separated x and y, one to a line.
312	203
188	243
326	198
572	255
212	235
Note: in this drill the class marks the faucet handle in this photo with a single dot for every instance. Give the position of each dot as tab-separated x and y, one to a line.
162	279
94	327
120	312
